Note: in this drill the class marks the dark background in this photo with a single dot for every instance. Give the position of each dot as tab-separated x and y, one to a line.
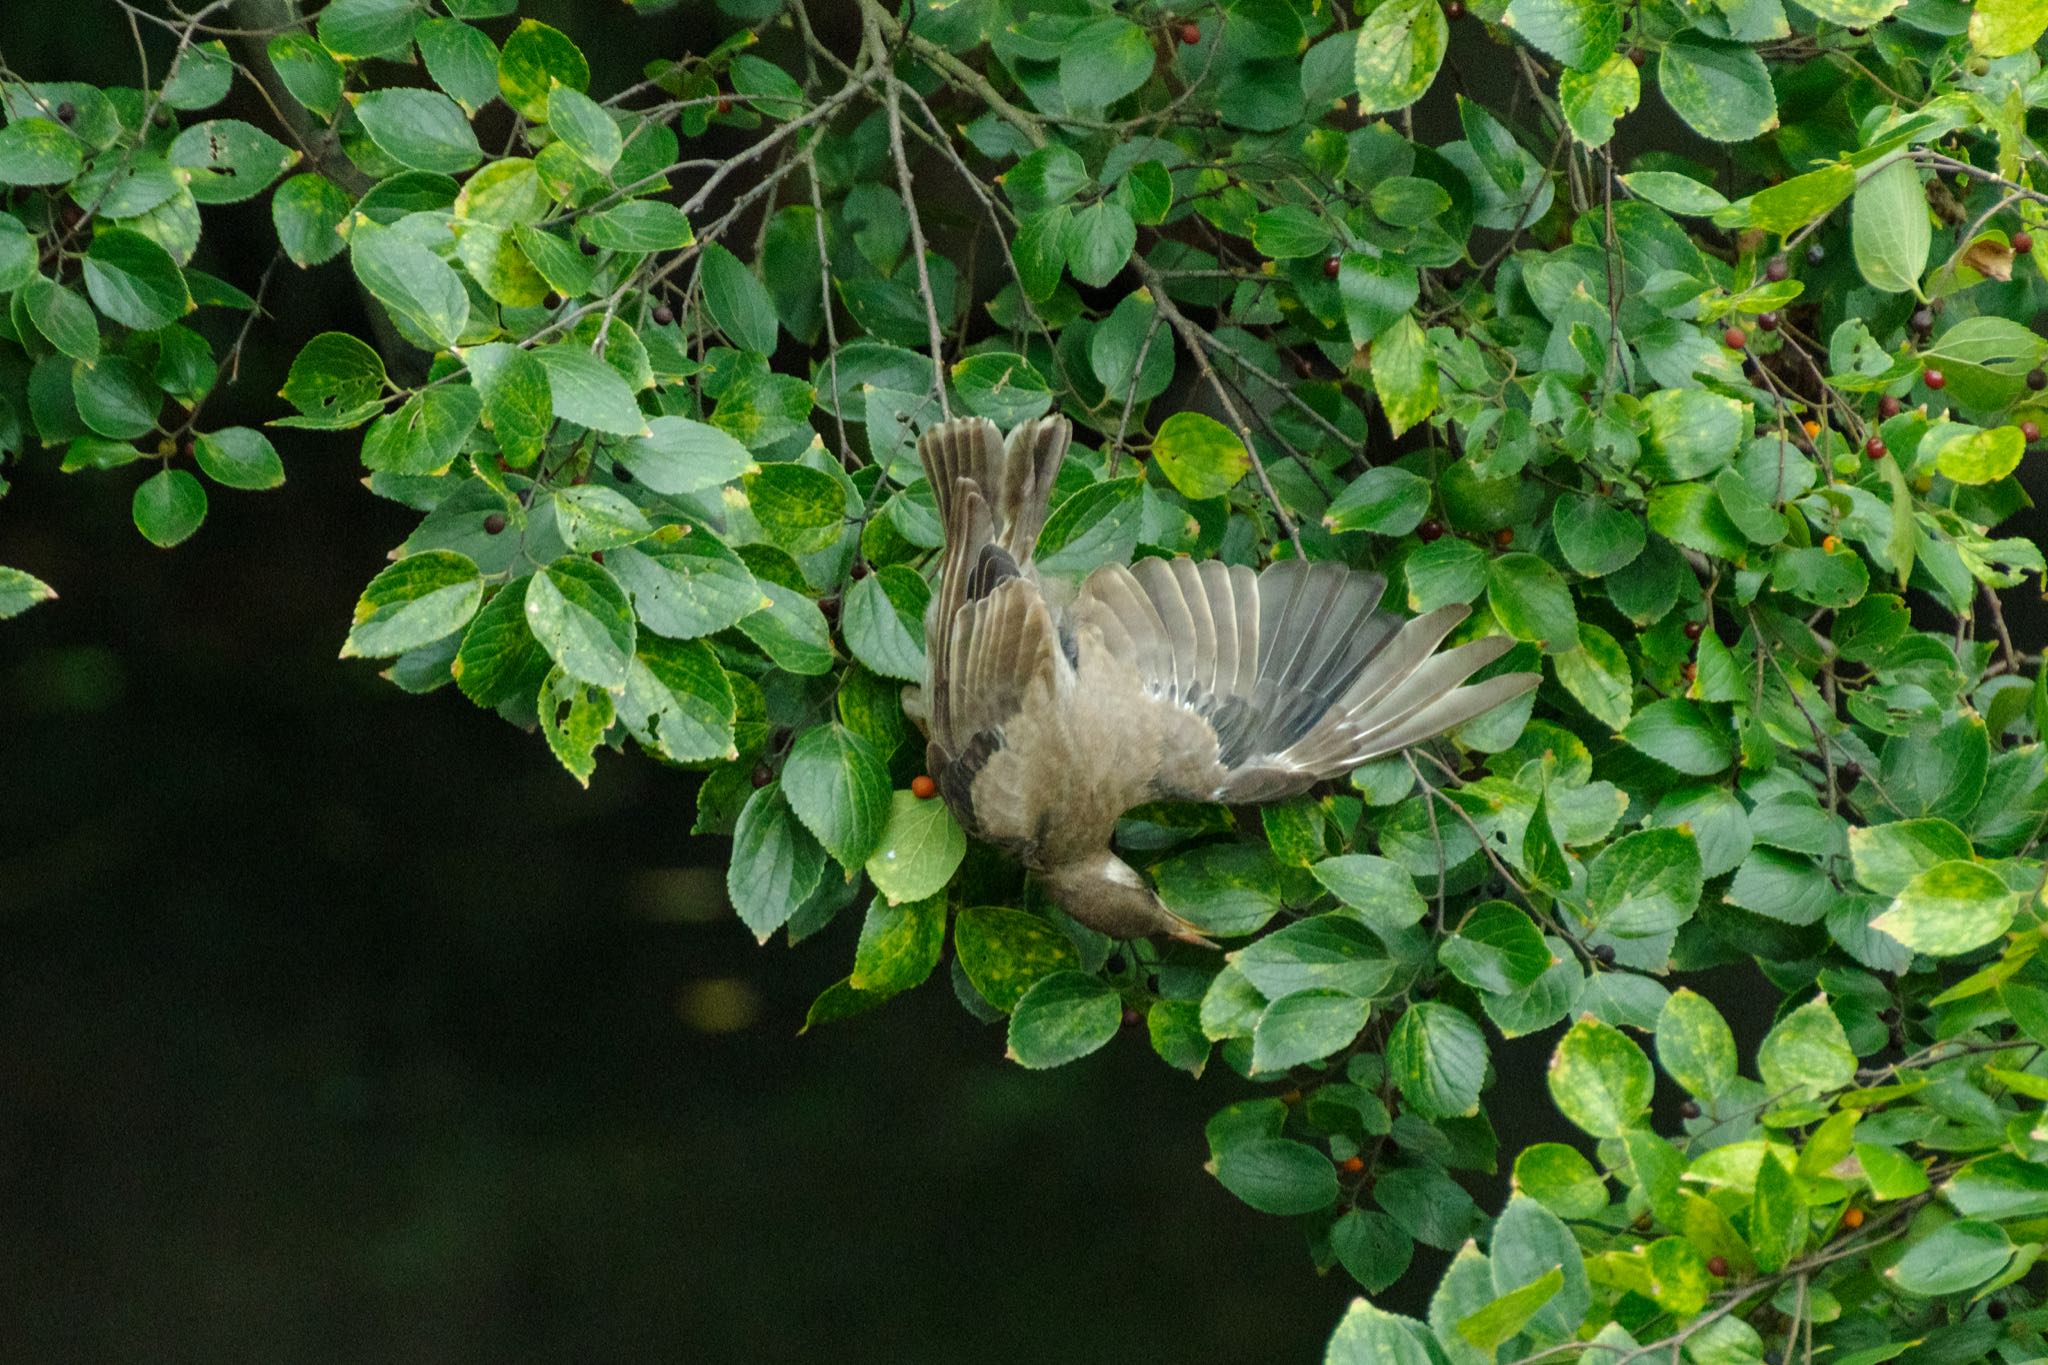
340	1025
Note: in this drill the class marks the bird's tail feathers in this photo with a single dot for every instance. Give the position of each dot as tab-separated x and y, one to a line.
1015	477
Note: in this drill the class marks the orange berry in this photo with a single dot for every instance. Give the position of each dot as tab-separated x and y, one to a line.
1351	1165
1852	1218
1504	537
1831	543
923	788
1812	429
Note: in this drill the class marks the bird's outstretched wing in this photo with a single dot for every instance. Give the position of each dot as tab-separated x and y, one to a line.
1259	685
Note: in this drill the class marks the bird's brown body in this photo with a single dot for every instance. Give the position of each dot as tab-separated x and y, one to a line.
1047	719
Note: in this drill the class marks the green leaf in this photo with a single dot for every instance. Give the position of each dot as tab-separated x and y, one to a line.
1438	1057
899	945
2005	28
1379	887
1097	525
461	59
1951	908
920	847
801	510
1408	201
17	254
309	72
238	457
1498	948
1103	62
1400	46
689	588
1721	89
1984	456
839	787
1692	432
1304	1027
679	456
1889	228
1006	952
1277	1175
518	403
1599	1079
1681	735
1377	292
738	302
1063	1018
424	436
421	129
1695	1045
593	517
1001	386
65	320
1887	857
367	28
1504	1318
38	152
1369	1336
336	381
776	864
1200	456
227	161
1596	538
308	211
1528	1243
115	398
417	286
1579	33
1777	1216
134	281
640	226
1404	375
1290	232
589	392
1325	952
1953	1259
1532	602
1385	500
536	59
169	505
1675	193
1806	1052
585	128
1593	101
580	614
678	701
883	622
1561	1179
420	599
1597	675
19	591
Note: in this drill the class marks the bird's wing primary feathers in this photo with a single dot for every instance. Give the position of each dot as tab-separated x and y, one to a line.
994	667
1261	685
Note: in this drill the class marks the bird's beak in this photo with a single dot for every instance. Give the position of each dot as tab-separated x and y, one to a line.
1187	933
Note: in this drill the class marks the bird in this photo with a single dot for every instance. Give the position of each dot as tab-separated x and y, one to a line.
1051	711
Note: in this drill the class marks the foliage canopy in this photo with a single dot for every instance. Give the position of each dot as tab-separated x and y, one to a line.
1714	401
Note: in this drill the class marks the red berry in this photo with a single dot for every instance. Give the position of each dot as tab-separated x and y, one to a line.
1717	1265
1767	321
597	555
1190	33
1875	448
1778	269
1454	10
664	315
1736	338
1430	530
1689	1110
1635	55
2022	243
1888	407
1331	265
1695	629
2030	432
1504	537
724	106
923	788
494	523
1132	1018
1935	379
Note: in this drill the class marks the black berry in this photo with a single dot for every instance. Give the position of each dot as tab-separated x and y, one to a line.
552	301
1689	1110
1778	269
494	523
2037	379
1923	319
589	247
763	775
1429	530
1695	629
66	112
1605	954
664	315
1767	321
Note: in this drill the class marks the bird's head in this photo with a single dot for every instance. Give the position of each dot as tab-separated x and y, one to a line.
1111	897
